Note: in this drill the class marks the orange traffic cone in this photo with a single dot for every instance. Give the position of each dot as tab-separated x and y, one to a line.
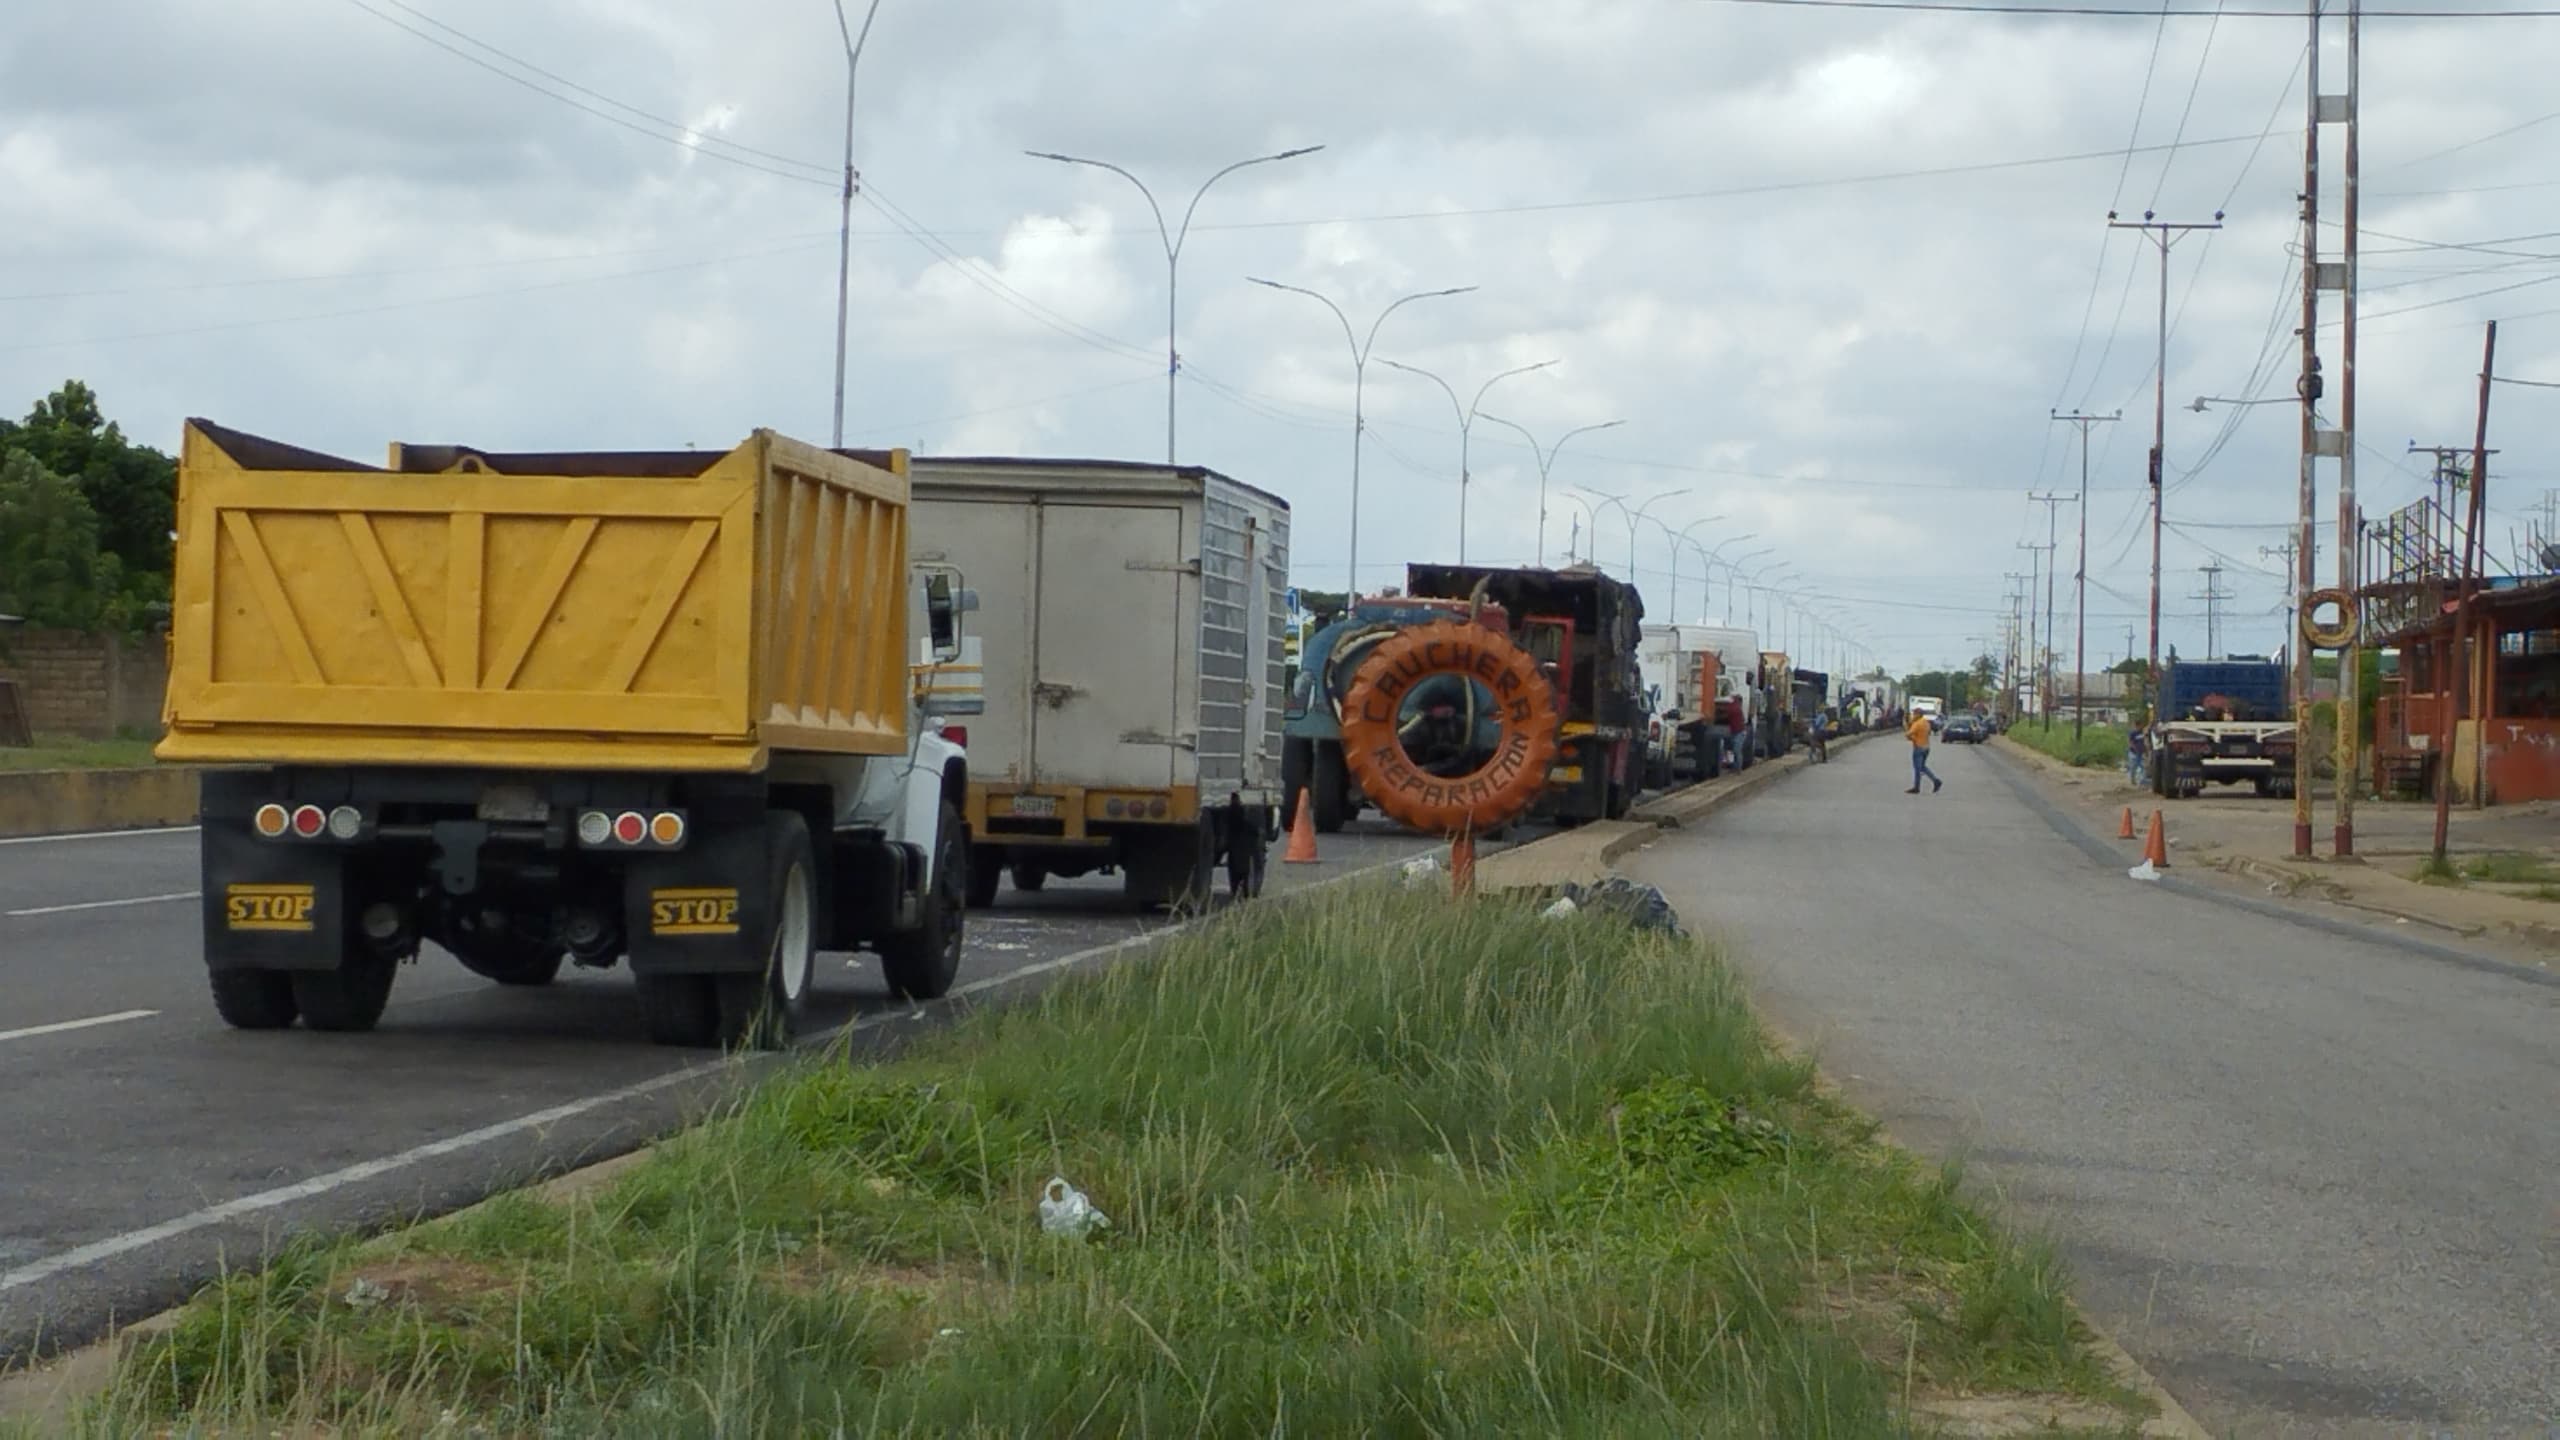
2155	846
1302	834
1462	863
2124	827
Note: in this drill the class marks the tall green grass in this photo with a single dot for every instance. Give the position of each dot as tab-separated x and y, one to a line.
2098	746
1374	1164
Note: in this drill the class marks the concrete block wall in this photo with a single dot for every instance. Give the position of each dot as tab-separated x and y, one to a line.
90	686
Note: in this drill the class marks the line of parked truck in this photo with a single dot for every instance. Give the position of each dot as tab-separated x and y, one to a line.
710	713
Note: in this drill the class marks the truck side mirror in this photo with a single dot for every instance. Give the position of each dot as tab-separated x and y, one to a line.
945	602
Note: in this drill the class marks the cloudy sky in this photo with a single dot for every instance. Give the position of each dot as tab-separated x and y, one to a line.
1832	270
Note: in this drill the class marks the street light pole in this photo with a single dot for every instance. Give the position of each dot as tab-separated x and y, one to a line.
1466	424
1359	383
1547	458
1681	537
1633	517
1733	568
1173	242
844	232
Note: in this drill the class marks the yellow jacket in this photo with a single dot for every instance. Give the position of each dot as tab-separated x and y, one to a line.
1918	730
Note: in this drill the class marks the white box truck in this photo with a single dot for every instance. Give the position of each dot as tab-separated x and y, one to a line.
1131	623
1703	681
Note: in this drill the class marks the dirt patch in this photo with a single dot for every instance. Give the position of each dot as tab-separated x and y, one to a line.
1996	1415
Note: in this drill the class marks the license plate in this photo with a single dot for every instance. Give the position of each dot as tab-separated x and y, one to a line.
1038	807
513	805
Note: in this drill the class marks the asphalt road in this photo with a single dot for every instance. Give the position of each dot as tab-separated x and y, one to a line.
2312	1181
143	1143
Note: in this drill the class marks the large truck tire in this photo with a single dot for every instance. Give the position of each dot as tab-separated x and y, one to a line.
1028	875
511	959
254	999
349	998
1499	789
1330	784
986	871
1297	765
759	1009
1174	868
922	963
679	1009
1248	853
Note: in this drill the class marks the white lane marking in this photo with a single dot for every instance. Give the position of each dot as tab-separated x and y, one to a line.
143	1239
97	835
59	1026
104	904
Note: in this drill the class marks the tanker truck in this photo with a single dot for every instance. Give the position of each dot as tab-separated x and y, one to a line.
674	709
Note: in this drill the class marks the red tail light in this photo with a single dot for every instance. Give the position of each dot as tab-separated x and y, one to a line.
308	821
630	828
956	734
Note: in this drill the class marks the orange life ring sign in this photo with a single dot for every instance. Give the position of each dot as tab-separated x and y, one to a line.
1524	707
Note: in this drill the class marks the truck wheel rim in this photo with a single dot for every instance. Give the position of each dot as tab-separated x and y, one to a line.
791	935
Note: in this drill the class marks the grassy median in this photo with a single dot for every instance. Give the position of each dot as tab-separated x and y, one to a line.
1374	1163
2097	747
58	752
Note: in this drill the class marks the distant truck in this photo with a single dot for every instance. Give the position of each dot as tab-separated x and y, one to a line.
1585	628
1131	618
2223	721
1702	680
1933	706
654	706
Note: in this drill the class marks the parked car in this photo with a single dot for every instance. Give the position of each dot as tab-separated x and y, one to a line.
1965	728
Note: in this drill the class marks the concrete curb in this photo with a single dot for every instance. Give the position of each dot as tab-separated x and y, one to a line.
78	802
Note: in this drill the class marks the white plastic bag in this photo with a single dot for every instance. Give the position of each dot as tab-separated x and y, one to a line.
1064	1210
2144	871
1420	870
1560	910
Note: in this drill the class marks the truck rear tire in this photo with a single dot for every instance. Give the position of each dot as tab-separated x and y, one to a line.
1297	764
1330	784
923	962
1028	875
760	1009
1174	868
349	998
986	871
1247	853
679	1009
254	999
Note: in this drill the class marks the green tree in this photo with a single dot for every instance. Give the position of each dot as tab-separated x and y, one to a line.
132	490
52	571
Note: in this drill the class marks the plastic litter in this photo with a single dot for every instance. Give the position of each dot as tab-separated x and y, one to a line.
1064	1210
1559	910
1642	904
2144	871
365	1293
1420	871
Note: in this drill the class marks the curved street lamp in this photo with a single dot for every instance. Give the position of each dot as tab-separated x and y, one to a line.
1679	538
1173	242
1733	567
1635	517
1546	459
1466	423
1359	379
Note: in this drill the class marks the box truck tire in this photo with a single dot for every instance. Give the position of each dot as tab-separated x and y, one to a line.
350	997
679	1009
254	999
986	872
759	1009
1028	875
923	962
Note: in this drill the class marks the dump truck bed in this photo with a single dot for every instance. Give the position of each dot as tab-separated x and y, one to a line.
618	610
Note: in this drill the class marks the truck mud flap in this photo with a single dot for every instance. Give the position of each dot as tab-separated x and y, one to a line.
704	910
271	905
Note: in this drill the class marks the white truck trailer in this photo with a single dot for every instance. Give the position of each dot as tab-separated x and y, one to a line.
1706	696
1131	622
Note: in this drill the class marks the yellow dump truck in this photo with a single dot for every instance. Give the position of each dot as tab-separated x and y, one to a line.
658	706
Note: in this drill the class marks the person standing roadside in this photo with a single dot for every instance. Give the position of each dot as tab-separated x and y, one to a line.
2137	751
1918	732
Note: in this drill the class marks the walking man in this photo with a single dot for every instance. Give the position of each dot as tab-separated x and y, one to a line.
1918	731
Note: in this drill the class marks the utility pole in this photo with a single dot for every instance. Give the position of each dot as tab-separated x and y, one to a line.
2292	600
2455	660
2164	234
2035	571
844	235
2080	574
2049	502
2020	587
2213	595
2351	654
